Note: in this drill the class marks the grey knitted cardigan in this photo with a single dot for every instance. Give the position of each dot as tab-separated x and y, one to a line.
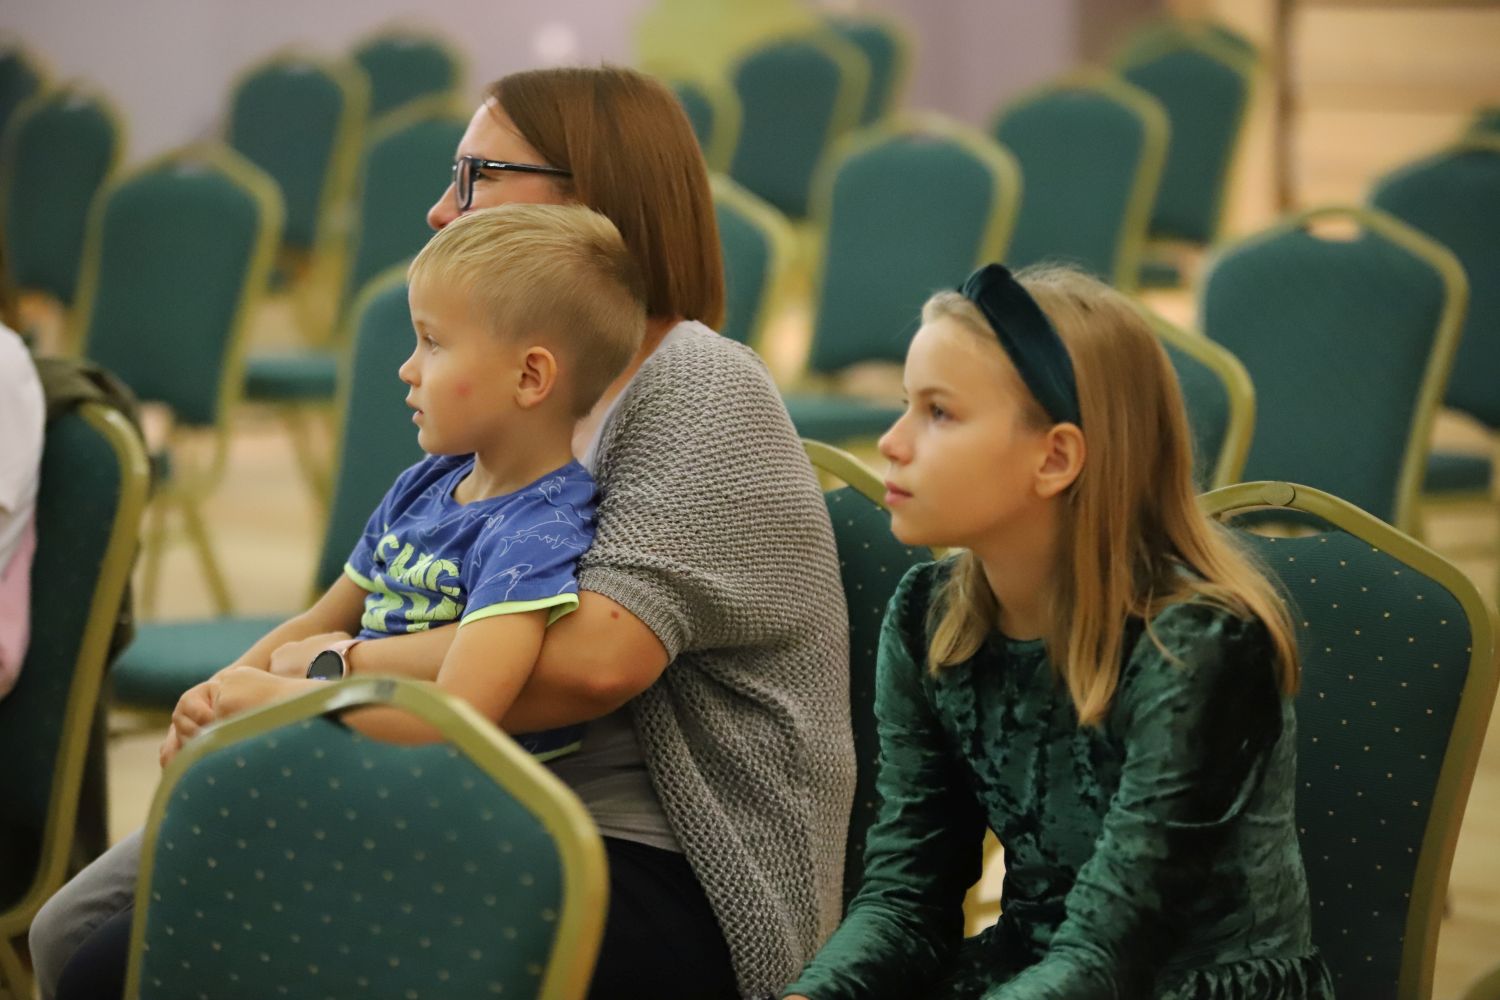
713	532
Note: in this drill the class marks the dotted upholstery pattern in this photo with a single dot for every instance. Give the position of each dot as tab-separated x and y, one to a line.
79	491
748	271
311	862
404	67
1081	151
1206	399
285	118
56	156
183	223
1454	197
908	217
1385	656
871	563
1336	336
1205	101
788	91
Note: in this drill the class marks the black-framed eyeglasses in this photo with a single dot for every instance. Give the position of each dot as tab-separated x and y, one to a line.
467	168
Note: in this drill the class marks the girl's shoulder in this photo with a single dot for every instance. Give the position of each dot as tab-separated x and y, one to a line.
1198	644
910	605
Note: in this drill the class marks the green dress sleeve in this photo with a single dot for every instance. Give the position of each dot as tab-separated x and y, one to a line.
1198	712
924	849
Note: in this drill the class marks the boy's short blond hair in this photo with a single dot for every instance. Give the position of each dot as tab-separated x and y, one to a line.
558	272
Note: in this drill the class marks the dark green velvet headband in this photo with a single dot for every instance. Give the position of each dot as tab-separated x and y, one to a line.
1029	338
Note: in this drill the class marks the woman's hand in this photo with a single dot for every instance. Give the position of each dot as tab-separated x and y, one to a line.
291	659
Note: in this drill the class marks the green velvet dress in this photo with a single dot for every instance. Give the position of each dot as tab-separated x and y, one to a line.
1153	856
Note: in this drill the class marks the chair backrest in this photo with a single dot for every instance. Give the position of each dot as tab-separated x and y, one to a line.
407	65
871	563
301	119
285	850
1486	121
58	150
376	440
177	255
714	112
1349	340
886	45
905	210
20	78
1203	80
1454	197
94	480
1220	402
798	95
758	245
405	168
1398	680
1091	150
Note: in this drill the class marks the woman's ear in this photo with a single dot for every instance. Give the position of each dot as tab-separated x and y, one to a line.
536	376
1062	460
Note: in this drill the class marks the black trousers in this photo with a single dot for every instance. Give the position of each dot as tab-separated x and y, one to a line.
661	939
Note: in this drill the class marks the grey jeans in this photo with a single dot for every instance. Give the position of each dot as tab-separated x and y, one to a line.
94	895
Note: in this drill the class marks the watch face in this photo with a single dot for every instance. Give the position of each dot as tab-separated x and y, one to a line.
326	666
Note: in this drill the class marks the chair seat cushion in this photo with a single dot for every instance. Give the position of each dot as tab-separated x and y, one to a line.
167	658
291	377
840	418
1456	471
1157	273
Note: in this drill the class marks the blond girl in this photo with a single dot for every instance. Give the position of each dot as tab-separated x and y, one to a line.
1099	675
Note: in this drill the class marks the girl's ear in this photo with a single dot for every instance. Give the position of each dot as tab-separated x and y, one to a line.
1062	460
535	377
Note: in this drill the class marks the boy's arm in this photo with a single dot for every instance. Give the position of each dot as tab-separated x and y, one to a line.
488	662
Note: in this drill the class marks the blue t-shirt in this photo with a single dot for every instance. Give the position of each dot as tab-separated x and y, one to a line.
427	560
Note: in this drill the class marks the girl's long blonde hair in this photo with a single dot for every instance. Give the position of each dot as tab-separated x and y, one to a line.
1133	539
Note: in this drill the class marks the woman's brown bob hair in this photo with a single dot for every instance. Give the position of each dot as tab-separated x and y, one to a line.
634	158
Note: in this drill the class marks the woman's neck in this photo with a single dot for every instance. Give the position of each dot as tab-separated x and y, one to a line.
1021	568
657	328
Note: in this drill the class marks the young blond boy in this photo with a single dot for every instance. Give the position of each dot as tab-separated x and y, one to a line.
523	315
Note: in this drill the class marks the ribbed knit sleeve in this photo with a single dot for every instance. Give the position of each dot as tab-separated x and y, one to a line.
713	531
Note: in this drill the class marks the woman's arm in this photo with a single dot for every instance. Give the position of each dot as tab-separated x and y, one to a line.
1199	726
921	855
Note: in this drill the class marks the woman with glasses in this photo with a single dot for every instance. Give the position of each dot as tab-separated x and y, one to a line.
708	655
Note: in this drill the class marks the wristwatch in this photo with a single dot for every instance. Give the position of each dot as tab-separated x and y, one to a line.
331	664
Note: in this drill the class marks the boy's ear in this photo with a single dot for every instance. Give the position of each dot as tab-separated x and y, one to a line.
1062	460
536	376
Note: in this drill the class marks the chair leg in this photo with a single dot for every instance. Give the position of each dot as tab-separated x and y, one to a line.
193	519
15	980
155	541
314	471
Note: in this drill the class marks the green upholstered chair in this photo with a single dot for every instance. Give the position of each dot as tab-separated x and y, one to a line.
1398	680
904	210
1347	321
94	481
1202	74
301	119
887	46
376	443
286	853
21	77
871	563
1453	196
1220	403
798	96
1091	149
176	259
1486	121
406	65
758	245
57	152
714	112
402	168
